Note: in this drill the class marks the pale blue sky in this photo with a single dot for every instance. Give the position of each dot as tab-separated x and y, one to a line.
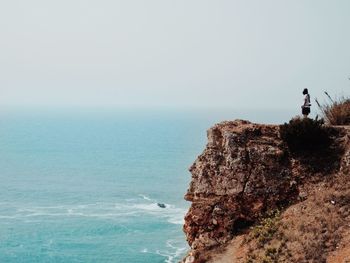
247	54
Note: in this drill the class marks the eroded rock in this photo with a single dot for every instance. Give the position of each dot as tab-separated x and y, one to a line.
244	171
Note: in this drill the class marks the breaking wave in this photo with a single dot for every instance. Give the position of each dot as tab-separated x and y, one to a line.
101	210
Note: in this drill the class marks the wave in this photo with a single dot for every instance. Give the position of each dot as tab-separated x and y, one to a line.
145	250
146	197
100	210
173	214
175	251
174	254
124	211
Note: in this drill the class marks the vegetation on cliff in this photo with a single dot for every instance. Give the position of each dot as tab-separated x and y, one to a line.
335	111
313	230
305	134
248	170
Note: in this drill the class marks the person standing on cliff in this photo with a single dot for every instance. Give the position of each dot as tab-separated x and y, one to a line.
305	108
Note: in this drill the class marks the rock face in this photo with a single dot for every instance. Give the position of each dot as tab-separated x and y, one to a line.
244	171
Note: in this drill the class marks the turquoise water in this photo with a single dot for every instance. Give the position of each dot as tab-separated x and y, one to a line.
84	187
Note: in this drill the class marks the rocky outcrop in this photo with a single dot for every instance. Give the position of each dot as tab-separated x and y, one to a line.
245	171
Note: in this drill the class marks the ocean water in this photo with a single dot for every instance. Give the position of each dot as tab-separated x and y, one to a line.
84	187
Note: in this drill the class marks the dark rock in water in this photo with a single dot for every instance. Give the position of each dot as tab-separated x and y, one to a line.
161	205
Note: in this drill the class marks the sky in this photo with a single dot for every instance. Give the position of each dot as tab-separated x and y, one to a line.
182	54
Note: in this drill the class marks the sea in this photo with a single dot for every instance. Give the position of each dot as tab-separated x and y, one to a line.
85	186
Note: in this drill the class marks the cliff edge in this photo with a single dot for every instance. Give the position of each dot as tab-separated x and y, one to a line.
255	201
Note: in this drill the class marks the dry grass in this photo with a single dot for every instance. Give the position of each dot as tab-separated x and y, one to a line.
307	232
314	230
336	111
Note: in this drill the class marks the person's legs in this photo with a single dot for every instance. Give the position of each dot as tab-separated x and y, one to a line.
305	111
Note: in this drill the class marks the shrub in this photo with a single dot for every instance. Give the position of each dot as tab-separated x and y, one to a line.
266	229
336	112
305	134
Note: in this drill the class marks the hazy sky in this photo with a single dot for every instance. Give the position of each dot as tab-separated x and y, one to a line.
172	53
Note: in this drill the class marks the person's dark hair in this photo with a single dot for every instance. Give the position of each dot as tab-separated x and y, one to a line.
305	91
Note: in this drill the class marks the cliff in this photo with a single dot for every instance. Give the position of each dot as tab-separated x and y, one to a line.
254	201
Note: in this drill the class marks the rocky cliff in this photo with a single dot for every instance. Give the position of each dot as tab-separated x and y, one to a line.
245	174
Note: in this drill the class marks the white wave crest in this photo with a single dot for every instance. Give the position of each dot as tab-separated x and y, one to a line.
100	210
146	197
175	250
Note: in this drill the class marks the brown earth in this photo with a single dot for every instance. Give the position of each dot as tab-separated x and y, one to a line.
254	201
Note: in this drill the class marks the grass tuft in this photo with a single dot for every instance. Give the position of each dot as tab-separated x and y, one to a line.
335	111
